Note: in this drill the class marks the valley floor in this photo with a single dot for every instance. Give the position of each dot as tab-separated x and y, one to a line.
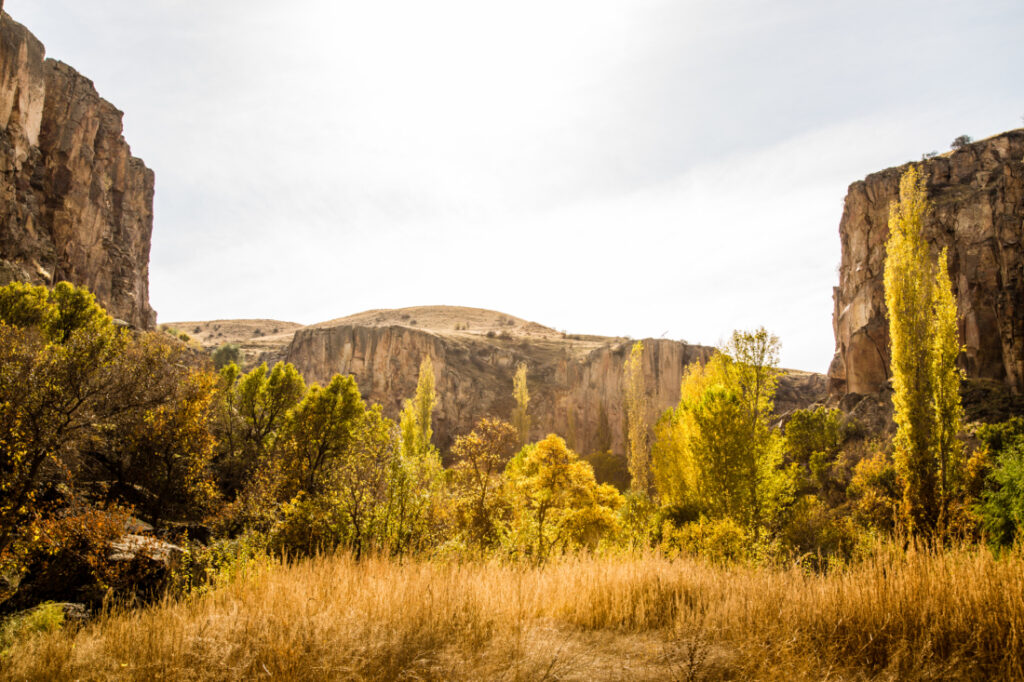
956	614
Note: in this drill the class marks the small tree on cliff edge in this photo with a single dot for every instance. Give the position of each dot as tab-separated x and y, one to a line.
924	348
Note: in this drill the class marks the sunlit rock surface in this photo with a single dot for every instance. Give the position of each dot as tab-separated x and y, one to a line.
74	203
978	213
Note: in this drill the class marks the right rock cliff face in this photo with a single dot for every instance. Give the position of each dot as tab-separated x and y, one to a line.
977	195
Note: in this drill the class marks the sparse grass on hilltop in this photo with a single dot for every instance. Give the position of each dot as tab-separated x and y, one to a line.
957	614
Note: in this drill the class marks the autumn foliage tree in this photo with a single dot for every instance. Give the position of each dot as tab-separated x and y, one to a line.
416	474
92	415
475	479
635	402
521	415
157	456
924	349
716	451
557	505
58	358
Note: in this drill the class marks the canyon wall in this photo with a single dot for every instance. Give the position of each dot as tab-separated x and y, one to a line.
977	195
575	383
75	204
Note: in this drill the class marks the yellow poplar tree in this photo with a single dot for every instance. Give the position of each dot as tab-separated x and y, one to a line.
417	471
946	377
635	398
415	425
520	416
924	347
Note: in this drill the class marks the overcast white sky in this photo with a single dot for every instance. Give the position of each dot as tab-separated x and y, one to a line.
635	167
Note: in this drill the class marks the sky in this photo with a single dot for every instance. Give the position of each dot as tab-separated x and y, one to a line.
649	168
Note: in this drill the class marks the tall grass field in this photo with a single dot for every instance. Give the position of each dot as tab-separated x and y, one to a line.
955	614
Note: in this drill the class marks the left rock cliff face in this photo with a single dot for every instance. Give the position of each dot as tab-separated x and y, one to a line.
75	204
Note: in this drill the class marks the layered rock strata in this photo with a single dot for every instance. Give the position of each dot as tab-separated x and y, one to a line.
75	204
575	382
977	195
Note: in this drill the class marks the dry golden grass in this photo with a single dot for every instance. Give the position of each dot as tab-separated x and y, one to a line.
958	614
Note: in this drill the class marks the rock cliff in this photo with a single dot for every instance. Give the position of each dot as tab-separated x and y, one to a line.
977	194
575	381
75	204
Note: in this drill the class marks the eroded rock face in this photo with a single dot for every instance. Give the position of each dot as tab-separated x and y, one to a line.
75	204
575	384
977	194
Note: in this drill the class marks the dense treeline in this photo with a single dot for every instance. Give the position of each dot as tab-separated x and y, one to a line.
101	426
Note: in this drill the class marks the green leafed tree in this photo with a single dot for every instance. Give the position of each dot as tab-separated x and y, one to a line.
317	433
716	451
813	441
337	466
1001	505
253	412
227	353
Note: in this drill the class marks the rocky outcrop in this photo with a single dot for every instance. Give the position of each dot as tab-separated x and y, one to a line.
575	382
977	194
75	204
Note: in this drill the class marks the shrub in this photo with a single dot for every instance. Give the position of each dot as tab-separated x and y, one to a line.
719	541
1002	506
819	536
227	353
609	468
960	142
46	617
203	568
875	491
